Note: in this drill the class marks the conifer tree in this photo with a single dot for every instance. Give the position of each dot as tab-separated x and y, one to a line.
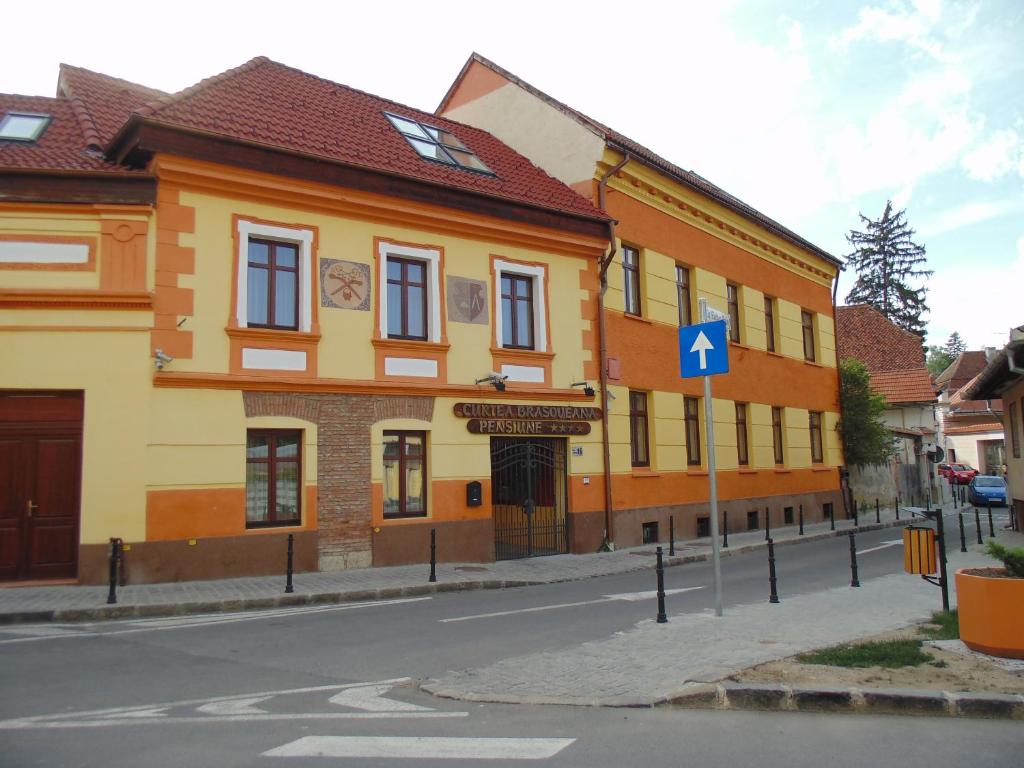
955	346
887	261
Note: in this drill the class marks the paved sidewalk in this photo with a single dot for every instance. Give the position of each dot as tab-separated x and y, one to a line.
89	603
660	663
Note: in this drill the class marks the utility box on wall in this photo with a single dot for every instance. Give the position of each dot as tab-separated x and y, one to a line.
474	494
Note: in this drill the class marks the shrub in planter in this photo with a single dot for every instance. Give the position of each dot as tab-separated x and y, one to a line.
989	602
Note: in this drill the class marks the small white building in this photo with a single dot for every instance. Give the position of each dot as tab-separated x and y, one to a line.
970	428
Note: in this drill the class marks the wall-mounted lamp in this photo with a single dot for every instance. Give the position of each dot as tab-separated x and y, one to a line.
495	379
587	389
162	359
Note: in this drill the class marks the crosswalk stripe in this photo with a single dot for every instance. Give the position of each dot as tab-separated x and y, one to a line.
427	747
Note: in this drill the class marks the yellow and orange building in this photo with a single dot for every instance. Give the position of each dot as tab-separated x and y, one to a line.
272	305
679	238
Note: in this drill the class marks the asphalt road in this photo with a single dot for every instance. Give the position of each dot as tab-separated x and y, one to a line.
226	689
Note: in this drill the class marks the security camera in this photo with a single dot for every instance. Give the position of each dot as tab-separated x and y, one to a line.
162	359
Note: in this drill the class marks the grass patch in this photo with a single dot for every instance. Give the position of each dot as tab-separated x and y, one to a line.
943	625
890	654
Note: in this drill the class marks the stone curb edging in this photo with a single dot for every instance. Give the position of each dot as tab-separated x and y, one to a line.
874	701
154	610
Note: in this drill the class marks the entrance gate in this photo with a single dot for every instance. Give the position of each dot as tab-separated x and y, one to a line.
528	497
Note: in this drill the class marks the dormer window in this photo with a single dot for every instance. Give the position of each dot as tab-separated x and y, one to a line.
437	144
23	126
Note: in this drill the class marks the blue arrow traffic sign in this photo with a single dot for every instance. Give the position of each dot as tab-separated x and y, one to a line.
703	349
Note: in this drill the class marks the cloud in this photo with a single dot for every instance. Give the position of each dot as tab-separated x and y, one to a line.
957	294
1002	152
923	26
969	213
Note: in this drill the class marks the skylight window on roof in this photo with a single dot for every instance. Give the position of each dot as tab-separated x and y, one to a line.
438	144
23	126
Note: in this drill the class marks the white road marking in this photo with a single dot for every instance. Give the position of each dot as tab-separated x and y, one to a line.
650	595
431	747
236	707
630	596
208	619
104	716
370	698
29	724
883	545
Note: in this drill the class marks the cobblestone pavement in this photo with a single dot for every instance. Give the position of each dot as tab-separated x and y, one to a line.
655	662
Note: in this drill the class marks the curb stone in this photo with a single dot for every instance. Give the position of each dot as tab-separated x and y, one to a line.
899	701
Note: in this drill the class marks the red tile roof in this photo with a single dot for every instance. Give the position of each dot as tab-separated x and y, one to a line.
269	104
66	145
894	357
968	365
623	142
973	429
109	100
911	386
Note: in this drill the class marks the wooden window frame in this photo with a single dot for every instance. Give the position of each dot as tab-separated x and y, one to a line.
732	298
742	443
683	295
272	461
814	422
631	296
510	336
807	330
691	422
403	305
636	416
272	269
769	323
778	436
402	434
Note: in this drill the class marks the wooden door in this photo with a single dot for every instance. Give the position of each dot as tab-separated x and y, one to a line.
40	484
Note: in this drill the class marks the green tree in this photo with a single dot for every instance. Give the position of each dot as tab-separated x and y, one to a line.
887	261
866	439
937	359
955	346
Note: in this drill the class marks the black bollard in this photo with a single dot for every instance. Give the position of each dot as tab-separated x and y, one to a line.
943	575
288	587
671	534
963	538
115	556
767	523
929	500
801	519
954	494
433	555
832	517
854	581
977	523
856	521
878	512
897	507
774	596
991	527
662	618
725	529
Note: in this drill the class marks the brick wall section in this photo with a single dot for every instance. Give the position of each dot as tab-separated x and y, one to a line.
343	461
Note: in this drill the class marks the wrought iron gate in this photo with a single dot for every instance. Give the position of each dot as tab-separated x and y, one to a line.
528	497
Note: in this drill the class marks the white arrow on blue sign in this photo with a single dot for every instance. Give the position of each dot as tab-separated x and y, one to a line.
703	349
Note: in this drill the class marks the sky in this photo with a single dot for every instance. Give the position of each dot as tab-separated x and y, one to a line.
812	112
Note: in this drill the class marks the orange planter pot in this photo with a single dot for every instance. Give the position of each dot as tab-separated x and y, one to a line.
991	614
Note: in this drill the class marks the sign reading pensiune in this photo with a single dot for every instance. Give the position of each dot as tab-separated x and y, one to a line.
527	412
526	427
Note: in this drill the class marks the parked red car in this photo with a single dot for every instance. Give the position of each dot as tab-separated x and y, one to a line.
961	474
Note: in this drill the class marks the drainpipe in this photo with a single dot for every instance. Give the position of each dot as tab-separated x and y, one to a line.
608	544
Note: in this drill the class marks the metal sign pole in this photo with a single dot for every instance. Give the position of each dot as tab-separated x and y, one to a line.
709	421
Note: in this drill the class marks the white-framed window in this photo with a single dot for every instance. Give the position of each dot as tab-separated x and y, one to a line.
254	300
404	298
508	282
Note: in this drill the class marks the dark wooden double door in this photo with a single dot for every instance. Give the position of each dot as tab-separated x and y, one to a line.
40	484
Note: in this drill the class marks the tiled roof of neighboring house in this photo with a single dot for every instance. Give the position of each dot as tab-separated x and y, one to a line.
622	142
960	404
912	386
67	144
997	376
893	356
109	100
912	431
968	365
272	105
973	429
